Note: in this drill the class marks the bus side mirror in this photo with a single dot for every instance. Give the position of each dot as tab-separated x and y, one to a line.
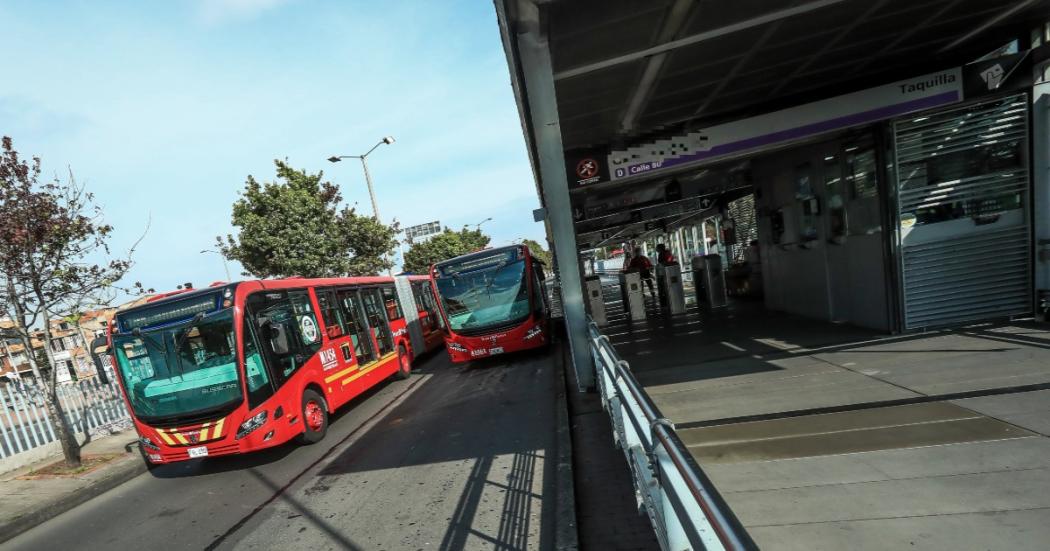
277	335
97	358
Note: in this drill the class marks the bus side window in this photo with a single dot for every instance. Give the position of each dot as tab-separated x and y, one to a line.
331	315
288	330
418	297
306	320
421	306
432	306
541	291
259	386
392	305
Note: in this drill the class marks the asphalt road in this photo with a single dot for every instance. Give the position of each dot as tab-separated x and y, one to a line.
453	458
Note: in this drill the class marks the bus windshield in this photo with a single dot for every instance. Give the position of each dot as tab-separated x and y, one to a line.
182	370
489	296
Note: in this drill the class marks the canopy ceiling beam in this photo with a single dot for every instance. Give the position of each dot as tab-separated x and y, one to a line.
697	38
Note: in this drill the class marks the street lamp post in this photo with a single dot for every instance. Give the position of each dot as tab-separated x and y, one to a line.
224	264
368	177
364	164
478	225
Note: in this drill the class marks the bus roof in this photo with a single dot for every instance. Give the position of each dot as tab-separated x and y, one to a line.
478	254
284	283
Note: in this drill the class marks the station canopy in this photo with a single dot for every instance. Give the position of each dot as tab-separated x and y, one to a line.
629	72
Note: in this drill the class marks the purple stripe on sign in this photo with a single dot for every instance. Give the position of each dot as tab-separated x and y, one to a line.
838	123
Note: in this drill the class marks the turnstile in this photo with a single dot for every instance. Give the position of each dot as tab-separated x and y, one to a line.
710	280
631	291
669	282
595	300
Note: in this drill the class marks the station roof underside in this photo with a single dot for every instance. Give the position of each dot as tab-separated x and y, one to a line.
629	72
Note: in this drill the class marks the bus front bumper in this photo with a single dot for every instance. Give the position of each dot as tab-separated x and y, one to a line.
464	349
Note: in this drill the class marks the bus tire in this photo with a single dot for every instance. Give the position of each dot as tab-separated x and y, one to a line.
314	412
404	364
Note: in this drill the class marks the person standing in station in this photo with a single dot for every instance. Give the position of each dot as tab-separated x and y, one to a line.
663	255
641	264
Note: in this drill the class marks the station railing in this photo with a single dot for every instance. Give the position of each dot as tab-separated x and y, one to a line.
684	507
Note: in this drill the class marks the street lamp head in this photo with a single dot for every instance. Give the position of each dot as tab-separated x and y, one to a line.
388	140
334	159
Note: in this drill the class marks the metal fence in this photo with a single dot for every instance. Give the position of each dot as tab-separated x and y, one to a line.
93	409
686	510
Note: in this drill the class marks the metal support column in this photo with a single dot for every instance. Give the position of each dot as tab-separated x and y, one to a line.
683	244
550	157
1041	176
703	235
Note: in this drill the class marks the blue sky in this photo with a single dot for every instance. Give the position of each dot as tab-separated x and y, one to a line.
164	108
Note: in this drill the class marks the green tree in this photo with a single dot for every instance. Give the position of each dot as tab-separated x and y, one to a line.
538	251
443	246
53	246
296	227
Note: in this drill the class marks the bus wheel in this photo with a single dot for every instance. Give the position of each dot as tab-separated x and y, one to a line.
315	417
404	363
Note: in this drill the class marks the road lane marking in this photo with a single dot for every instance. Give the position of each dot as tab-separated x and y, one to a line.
733	346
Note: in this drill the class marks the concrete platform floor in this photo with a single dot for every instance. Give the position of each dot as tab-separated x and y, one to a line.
824	436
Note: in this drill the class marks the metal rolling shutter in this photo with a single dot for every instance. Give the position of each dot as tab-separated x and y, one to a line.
964	189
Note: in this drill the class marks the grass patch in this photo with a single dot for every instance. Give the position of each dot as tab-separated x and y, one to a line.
59	469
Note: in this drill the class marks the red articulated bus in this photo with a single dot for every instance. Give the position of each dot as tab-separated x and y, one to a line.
245	366
492	302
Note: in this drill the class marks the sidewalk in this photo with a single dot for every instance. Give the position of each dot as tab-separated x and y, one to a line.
26	501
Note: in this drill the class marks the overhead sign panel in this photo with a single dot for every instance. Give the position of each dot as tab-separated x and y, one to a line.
418	231
586	166
755	133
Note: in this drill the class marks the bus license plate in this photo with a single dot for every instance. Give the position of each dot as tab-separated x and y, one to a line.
497	350
201	451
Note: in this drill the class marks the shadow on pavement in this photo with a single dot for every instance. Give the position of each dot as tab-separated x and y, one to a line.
238	462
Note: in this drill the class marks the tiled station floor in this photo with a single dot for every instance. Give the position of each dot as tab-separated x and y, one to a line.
825	436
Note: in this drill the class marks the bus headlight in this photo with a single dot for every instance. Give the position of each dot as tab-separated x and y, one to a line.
251	425
533	332
457	347
146	442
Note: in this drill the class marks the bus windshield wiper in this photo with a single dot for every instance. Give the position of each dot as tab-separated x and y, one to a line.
182	340
147	339
186	333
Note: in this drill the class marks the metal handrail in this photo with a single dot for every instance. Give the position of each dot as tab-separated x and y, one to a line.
717	516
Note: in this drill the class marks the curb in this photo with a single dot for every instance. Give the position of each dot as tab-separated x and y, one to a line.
566	537
130	466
